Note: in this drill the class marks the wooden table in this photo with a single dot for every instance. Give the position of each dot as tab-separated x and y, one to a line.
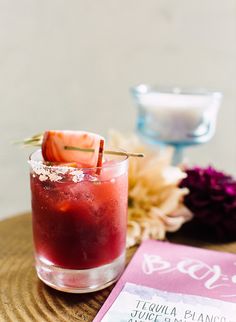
23	297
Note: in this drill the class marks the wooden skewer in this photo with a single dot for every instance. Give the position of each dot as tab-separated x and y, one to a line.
121	153
36	140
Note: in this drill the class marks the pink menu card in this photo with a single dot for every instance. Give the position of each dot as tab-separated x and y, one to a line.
165	282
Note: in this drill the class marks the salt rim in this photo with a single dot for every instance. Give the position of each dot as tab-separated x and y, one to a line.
53	173
78	176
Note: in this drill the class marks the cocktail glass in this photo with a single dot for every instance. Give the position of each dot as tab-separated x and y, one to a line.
79	223
176	117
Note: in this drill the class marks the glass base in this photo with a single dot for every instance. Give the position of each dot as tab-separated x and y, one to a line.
80	281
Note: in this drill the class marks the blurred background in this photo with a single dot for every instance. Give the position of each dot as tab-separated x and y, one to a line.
70	64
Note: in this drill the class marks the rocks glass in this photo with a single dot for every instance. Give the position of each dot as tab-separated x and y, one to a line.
79	223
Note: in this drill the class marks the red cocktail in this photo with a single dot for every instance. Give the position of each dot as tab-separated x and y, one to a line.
79	223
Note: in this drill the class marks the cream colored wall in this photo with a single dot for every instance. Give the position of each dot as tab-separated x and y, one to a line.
69	64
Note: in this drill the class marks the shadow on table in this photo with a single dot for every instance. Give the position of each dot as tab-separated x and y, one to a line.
197	235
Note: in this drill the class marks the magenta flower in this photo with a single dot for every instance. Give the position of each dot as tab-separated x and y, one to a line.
212	199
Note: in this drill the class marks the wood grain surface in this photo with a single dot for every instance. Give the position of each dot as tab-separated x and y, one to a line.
23	297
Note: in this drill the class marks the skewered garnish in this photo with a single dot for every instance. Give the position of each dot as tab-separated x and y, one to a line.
54	142
84	148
